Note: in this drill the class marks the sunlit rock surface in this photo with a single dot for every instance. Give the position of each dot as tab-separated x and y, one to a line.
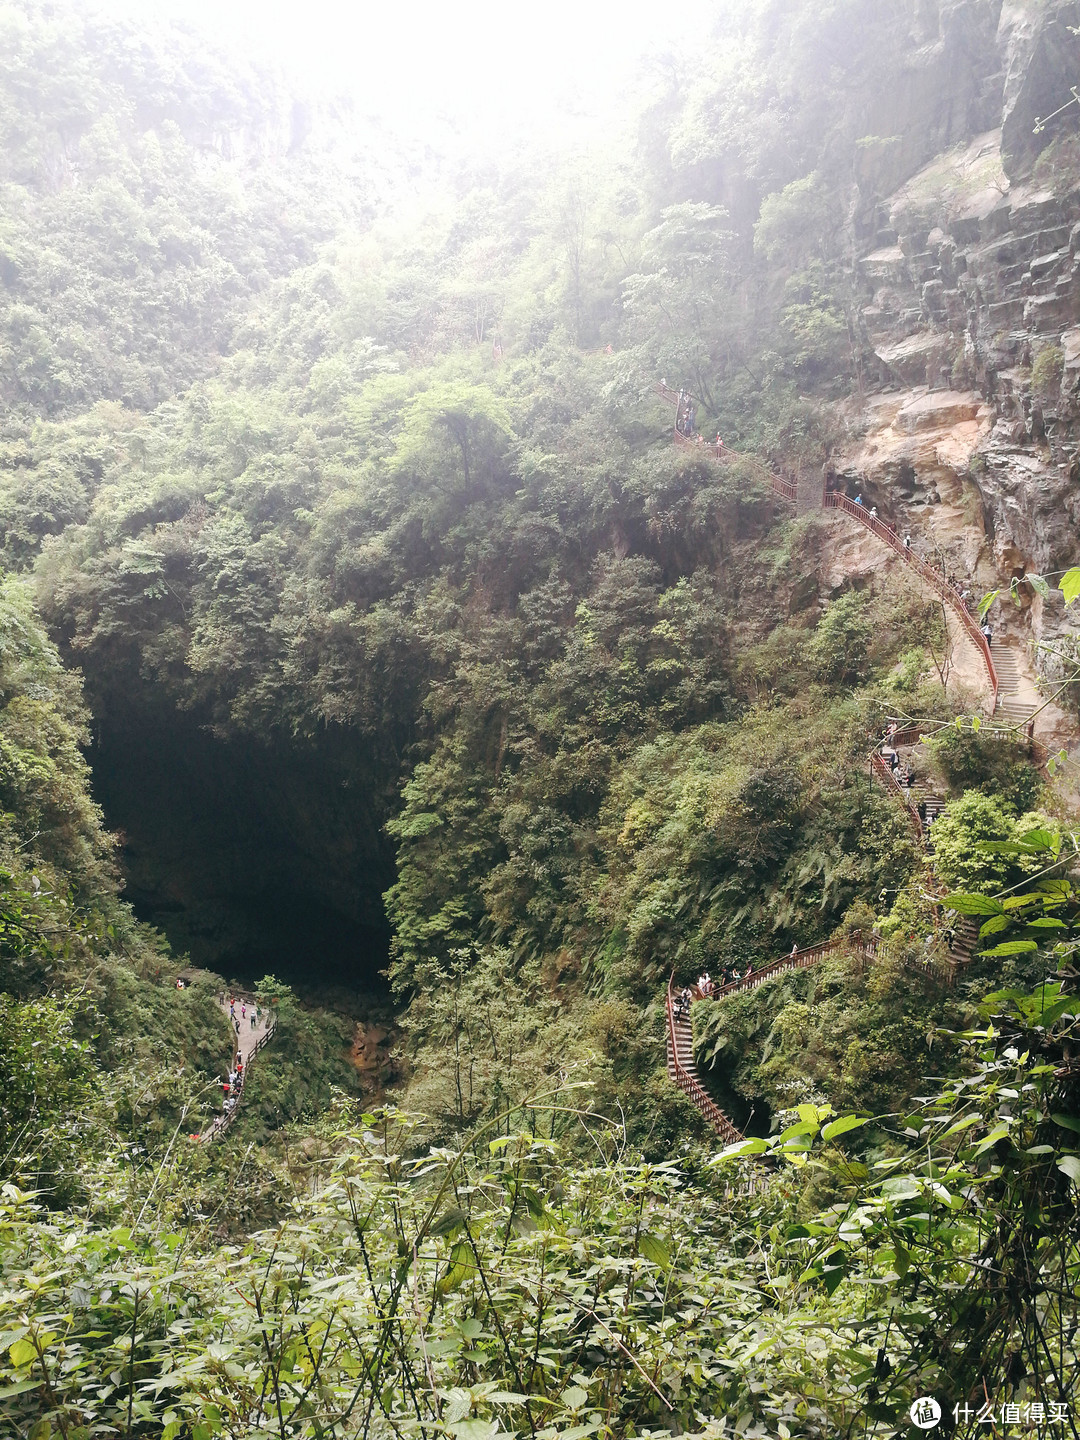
967	432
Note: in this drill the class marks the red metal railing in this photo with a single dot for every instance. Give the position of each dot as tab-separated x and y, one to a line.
835	500
685	1075
788	489
884	773
799	960
718	451
910	735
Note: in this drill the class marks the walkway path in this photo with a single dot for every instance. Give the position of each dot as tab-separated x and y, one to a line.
782	485
1016	704
680	1035
1009	701
1013	698
248	1044
835	500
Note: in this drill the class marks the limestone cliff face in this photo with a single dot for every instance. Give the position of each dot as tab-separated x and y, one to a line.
967	432
947	87
1041	56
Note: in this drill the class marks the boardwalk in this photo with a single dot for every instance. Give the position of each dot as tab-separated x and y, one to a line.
248	1042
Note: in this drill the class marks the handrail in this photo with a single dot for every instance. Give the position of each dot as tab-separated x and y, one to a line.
688	1082
837	500
909	735
718	451
798	960
222	1122
726	456
885	774
687	1079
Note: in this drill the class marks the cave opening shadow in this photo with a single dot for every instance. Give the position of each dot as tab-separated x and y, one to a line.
752	1116
253	858
292	936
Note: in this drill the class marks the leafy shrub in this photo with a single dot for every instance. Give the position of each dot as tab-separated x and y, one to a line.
968	824
1046	373
993	764
841	645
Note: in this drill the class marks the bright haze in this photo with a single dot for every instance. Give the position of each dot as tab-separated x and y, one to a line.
489	70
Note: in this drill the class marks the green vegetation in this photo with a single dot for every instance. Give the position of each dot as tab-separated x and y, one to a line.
383	522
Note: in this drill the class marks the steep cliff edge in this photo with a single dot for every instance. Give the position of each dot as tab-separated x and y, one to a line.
966	432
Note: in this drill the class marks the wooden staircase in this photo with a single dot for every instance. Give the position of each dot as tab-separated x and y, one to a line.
1002	661
680	1031
683	1072
834	500
966	939
249	1043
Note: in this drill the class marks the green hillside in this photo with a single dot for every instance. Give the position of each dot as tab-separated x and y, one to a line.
374	646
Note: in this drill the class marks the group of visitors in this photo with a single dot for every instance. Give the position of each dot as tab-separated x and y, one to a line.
904	776
686	419
900	772
247	1013
707	987
233	1085
959	587
685	414
729	975
241	1012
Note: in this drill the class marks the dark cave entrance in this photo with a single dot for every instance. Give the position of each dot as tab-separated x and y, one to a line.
752	1116
252	857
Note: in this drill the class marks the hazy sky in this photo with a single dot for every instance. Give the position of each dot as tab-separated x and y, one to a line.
492	62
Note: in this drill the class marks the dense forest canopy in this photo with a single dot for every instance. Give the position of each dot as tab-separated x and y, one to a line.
382	642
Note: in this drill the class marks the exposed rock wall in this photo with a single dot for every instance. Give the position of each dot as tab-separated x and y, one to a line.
1041	58
967	432
947	87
